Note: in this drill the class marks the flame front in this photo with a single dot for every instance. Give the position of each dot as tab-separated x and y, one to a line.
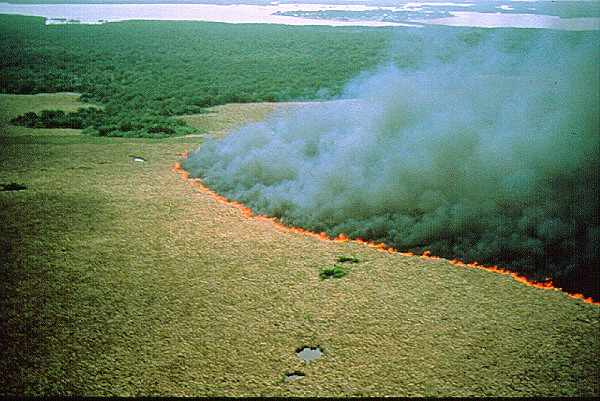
381	247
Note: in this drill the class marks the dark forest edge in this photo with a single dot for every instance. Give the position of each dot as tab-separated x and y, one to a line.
94	121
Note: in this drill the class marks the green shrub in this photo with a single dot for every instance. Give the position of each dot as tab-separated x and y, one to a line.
335	272
343	259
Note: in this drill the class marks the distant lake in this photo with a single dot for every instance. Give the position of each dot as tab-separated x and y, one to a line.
238	13
298	14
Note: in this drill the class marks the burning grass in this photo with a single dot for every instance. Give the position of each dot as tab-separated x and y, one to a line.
119	278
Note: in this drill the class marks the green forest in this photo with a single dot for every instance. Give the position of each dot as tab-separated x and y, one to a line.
144	74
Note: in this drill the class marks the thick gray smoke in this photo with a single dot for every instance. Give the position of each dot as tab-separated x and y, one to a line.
492	156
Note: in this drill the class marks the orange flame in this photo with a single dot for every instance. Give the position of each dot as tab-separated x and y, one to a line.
381	247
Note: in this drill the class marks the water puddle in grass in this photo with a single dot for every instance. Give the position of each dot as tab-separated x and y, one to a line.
309	354
293	376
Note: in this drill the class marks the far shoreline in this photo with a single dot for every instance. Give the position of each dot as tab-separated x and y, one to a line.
98	13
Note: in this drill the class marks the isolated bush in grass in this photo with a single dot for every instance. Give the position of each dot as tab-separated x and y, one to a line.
343	259
335	272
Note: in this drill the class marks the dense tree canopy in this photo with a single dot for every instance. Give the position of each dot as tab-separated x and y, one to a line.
143	73
152	69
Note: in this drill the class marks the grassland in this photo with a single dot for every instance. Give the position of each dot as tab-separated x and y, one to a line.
120	278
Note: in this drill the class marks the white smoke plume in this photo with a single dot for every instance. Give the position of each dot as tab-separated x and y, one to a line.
490	154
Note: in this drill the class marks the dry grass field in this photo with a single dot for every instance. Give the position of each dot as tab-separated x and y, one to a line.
120	278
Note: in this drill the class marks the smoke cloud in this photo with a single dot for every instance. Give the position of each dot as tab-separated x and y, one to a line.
482	149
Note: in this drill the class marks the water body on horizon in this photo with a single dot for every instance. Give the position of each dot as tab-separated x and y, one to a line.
305	14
